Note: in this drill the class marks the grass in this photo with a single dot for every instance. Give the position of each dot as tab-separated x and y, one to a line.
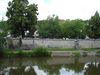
89	49
98	51
76	54
18	54
40	51
55	49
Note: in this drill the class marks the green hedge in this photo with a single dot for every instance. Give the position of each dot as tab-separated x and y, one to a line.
41	51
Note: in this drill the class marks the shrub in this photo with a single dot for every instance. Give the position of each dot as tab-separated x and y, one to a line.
41	51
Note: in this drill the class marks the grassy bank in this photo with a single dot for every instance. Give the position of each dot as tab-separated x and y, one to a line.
58	49
37	52
43	52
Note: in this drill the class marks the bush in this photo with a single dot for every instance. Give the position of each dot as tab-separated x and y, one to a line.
41	51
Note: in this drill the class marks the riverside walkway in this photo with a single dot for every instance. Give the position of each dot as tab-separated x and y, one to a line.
73	53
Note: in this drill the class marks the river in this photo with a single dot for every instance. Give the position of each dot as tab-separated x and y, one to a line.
50	66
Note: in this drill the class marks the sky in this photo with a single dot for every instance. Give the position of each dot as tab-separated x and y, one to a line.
65	9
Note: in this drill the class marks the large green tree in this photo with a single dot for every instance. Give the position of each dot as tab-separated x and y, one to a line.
73	29
49	28
93	27
21	17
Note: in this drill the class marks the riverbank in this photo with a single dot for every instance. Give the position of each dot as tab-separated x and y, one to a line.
44	52
75	53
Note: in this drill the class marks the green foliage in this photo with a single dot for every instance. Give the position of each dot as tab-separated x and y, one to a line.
9	54
41	51
3	26
2	43
21	17
23	54
73	29
49	28
98	53
89	49
93	29
76	54
3	33
55	28
20	53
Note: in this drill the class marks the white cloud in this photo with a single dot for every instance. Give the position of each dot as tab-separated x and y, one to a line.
65	9
3	8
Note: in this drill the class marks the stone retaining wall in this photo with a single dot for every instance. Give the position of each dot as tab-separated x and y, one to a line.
30	43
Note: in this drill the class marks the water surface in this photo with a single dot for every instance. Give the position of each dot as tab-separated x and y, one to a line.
50	66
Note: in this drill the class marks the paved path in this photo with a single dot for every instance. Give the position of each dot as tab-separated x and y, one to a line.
71	53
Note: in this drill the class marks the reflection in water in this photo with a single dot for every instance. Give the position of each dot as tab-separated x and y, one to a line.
64	71
93	68
38	71
50	66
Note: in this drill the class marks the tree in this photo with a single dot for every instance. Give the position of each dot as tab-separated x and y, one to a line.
21	17
3	26
49	28
3	34
2	42
94	26
73	29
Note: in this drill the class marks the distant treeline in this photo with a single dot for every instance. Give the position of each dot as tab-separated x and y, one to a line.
22	17
53	27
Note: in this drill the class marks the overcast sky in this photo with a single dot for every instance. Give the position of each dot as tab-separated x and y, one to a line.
65	9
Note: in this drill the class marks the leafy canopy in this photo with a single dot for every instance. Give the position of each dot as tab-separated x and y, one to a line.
49	28
94	26
73	29
21	17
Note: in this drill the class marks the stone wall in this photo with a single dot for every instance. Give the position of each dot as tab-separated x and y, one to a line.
30	43
59	43
89	43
